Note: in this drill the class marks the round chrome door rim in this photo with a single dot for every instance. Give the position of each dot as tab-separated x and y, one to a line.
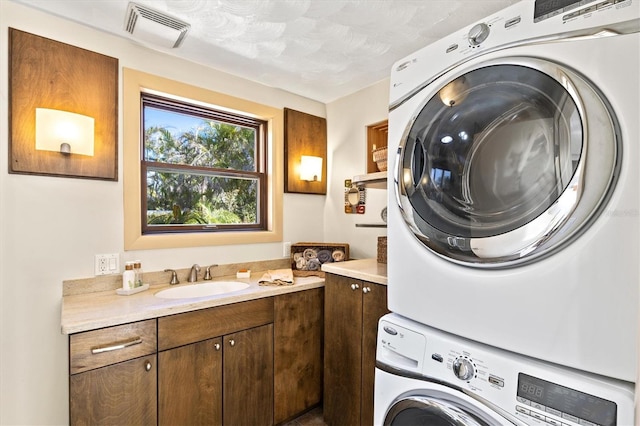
571	213
444	408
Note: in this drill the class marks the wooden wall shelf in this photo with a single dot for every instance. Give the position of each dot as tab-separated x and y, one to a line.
376	180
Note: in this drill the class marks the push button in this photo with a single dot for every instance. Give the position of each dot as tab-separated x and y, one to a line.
495	381
536	415
390	330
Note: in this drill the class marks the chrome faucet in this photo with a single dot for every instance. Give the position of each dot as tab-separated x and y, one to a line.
207	272
193	274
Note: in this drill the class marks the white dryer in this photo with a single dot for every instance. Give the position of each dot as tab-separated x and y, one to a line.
427	377
514	212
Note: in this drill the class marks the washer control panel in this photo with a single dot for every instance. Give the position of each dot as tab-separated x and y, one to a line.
529	390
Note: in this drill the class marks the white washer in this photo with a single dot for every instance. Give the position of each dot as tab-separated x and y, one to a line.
513	214
427	377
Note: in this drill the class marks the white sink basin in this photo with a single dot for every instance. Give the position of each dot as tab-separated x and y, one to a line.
201	290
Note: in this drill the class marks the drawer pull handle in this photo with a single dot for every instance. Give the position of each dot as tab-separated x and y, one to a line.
116	346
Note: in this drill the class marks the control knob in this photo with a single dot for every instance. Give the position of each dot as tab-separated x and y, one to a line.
478	34
463	369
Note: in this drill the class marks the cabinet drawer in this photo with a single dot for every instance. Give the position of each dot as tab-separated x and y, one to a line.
97	348
190	327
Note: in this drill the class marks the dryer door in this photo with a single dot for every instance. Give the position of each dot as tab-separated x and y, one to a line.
506	162
422	410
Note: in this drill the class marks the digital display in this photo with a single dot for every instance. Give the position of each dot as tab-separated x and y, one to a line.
569	401
545	7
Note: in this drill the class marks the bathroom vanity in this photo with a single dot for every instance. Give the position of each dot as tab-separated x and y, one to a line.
248	357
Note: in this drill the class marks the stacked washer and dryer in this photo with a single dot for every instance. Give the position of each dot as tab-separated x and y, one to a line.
514	222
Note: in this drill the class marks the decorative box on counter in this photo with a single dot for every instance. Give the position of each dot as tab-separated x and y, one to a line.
308	258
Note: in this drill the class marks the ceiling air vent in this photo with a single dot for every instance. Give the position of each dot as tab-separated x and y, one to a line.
155	27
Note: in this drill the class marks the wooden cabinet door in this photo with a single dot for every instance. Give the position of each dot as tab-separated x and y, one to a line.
374	305
248	377
118	394
298	330
190	384
342	350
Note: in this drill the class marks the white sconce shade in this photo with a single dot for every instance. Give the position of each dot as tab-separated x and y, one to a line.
311	168
64	132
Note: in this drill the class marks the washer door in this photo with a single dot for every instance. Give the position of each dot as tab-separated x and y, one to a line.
416	410
507	162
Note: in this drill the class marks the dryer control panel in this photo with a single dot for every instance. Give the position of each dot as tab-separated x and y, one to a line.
524	23
532	391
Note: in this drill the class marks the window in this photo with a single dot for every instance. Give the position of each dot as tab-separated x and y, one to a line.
203	169
200	167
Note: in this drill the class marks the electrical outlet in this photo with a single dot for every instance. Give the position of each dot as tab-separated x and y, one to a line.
286	249
106	264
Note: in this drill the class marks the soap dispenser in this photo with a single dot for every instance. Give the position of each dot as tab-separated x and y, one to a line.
128	277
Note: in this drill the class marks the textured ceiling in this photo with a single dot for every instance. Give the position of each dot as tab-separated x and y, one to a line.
320	49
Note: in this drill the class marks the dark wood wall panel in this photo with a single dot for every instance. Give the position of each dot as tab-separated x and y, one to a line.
48	74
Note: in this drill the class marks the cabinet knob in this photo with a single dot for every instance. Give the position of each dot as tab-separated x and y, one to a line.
232	342
354	287
366	290
147	366
216	346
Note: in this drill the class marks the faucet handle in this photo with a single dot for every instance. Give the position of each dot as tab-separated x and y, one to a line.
207	273
174	276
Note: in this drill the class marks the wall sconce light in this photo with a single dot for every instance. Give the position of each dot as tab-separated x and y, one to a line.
305	153
311	168
64	132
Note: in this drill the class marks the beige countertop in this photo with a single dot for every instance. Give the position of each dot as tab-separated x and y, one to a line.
363	269
98	309
90	311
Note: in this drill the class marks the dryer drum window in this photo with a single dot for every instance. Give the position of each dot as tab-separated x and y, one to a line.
496	163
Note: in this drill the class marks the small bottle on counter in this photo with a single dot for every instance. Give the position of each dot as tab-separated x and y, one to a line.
128	277
137	268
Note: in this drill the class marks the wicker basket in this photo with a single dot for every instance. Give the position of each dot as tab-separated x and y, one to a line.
382	249
380	158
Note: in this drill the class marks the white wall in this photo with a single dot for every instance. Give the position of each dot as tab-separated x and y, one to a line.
51	228
347	120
